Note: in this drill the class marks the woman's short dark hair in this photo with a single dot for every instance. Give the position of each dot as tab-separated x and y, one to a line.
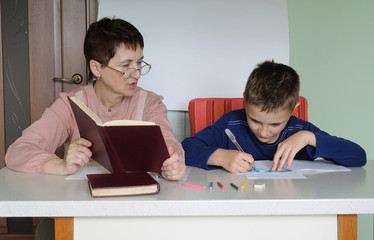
105	36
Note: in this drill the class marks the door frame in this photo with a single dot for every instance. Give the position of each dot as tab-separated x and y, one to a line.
44	67
2	116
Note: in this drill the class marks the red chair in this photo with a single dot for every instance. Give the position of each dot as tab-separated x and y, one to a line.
204	112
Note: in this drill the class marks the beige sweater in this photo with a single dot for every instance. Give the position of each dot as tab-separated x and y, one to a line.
57	125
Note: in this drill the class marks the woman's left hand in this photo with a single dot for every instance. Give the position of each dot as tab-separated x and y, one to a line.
174	167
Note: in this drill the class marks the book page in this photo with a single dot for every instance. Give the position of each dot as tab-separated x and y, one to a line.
127	123
98	121
88	111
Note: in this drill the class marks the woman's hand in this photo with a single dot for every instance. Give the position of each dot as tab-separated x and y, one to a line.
77	156
174	167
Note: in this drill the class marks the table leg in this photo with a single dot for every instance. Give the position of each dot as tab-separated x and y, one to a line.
347	227
64	228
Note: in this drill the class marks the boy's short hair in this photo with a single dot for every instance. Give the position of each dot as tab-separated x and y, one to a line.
272	86
105	36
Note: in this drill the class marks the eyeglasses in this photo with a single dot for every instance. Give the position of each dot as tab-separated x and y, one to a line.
144	69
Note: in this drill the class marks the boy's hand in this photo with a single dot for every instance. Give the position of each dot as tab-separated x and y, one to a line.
174	167
290	147
232	160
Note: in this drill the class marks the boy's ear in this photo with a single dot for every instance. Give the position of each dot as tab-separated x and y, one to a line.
95	68
297	104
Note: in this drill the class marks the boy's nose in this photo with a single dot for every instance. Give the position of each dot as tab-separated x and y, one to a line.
263	131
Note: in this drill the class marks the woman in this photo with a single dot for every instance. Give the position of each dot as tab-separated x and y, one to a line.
114	53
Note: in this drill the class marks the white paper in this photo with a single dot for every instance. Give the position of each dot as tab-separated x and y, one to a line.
298	167
96	168
183	179
91	168
317	166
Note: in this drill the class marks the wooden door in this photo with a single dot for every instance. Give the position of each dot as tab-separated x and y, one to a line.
59	53
56	30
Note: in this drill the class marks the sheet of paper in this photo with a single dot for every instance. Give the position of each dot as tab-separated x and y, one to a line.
317	166
91	168
275	175
95	168
183	179
264	165
299	167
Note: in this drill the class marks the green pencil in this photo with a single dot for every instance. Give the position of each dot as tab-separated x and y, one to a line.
234	186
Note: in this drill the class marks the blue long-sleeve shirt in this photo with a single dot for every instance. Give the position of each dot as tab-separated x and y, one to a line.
201	146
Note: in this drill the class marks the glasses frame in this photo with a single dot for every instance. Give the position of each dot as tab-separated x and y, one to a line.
130	68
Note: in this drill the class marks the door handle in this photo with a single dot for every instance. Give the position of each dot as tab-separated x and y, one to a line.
76	79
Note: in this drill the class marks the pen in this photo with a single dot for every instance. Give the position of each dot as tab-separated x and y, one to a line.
211	185
193	185
243	185
235	187
220	185
233	140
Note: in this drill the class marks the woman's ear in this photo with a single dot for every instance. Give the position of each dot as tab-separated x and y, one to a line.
95	68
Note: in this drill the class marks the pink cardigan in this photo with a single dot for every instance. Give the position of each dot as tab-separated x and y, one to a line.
57	125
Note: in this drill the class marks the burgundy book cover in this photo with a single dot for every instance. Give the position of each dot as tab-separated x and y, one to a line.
137	148
88	130
119	149
122	184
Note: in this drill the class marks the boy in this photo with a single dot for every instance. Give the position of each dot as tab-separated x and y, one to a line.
265	129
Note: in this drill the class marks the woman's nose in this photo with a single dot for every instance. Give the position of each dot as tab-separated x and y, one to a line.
136	73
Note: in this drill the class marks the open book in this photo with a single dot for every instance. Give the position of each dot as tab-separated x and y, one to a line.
121	145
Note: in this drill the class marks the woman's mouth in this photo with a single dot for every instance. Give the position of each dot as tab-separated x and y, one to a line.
133	85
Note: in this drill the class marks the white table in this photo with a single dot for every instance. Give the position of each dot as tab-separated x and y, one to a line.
320	197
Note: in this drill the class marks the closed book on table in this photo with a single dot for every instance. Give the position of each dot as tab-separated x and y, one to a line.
122	184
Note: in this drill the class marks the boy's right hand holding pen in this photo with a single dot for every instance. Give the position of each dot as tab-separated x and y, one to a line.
232	160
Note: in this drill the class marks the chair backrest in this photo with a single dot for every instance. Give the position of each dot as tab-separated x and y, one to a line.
204	112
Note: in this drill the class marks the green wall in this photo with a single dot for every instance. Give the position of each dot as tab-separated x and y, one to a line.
332	49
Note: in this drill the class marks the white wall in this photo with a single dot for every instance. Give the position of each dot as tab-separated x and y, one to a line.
204	48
